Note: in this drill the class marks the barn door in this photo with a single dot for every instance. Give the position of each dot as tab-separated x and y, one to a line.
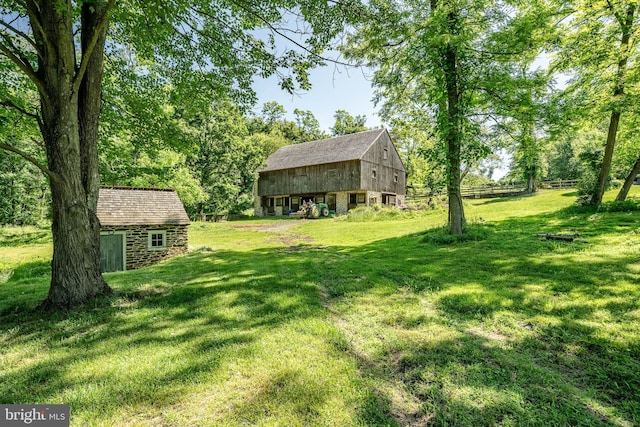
112	252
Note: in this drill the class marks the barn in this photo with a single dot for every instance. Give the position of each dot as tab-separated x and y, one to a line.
140	227
344	172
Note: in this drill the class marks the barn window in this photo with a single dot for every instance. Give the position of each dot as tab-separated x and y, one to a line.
374	174
157	240
278	201
361	198
395	178
353	198
319	199
385	154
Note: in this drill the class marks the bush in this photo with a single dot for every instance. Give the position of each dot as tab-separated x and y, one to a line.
378	212
629	205
472	233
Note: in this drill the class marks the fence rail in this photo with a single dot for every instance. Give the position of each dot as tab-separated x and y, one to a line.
420	193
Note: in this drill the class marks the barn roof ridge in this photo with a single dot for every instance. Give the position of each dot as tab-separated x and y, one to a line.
374	141
126	187
323	151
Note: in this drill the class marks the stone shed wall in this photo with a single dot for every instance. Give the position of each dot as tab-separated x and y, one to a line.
137	241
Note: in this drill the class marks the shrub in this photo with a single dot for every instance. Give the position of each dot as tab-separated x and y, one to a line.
472	233
378	212
629	205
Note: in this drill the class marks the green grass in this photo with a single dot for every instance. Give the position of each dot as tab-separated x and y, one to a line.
335	322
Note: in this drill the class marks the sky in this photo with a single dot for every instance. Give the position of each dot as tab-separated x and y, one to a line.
333	88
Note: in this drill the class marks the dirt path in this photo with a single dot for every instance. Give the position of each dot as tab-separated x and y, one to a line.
284	232
275	227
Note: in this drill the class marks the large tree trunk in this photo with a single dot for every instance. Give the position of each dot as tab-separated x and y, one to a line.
628	182
603	175
453	135
70	114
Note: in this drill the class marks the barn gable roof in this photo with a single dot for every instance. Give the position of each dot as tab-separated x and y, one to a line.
333	150
140	206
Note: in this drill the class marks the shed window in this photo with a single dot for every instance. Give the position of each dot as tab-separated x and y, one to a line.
157	240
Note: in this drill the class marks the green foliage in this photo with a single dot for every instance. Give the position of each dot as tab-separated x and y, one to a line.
472	233
165	63
441	67
629	205
381	213
562	162
597	46
345	123
25	195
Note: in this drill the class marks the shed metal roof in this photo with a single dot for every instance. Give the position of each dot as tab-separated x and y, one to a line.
140	206
333	150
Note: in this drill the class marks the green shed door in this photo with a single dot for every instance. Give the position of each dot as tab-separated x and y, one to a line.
112	252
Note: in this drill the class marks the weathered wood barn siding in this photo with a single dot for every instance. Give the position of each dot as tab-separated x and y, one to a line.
383	158
344	176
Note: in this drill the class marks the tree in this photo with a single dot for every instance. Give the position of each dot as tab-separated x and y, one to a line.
25	194
345	123
273	112
598	46
224	160
309	126
628	181
201	49
626	164
436	57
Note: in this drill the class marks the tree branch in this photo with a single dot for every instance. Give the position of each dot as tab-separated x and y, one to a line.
24	66
36	26
91	46
11	104
284	36
21	34
52	175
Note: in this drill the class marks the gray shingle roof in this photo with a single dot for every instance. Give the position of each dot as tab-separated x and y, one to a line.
333	150
140	206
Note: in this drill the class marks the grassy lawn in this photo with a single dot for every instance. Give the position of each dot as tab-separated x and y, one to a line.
334	322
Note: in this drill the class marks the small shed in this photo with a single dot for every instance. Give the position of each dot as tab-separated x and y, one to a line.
140	227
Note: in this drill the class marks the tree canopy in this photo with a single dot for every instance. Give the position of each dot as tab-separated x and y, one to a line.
58	56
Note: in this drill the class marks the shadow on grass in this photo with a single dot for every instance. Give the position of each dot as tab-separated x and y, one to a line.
186	321
491	201
558	368
22	238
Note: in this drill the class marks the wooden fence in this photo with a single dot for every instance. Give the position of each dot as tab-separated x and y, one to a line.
417	194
